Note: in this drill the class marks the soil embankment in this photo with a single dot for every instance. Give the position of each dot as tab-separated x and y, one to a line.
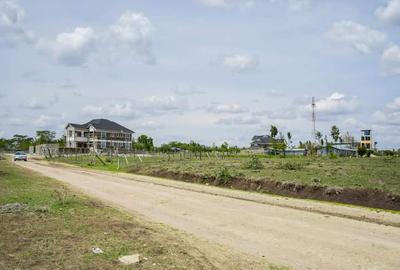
364	197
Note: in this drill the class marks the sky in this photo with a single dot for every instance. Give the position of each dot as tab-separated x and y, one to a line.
203	70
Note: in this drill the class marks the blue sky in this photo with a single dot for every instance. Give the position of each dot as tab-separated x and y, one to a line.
203	70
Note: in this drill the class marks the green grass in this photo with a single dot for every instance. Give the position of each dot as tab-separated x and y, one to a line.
381	173
58	228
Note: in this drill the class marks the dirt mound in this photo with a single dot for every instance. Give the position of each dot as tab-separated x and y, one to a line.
364	197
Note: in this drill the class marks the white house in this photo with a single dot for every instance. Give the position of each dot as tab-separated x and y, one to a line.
98	134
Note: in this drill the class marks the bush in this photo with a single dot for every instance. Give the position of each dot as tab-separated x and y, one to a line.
254	163
333	155
362	151
224	176
290	166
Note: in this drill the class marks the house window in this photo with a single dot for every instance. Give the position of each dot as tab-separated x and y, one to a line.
103	145
78	134
70	133
103	135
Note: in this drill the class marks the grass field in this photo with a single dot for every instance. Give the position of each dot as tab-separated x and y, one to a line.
56	228
381	173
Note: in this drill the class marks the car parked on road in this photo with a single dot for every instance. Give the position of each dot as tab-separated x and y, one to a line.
20	155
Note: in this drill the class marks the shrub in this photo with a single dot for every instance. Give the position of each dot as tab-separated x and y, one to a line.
292	166
333	155
362	151
224	176
254	163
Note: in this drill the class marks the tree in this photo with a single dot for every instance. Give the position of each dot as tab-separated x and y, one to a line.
273	131
144	142
45	136
289	136
281	144
19	142
318	136
362	151
335	133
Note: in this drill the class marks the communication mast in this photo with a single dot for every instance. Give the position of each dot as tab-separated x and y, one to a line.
313	119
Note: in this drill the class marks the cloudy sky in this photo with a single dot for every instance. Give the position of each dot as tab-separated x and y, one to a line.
204	70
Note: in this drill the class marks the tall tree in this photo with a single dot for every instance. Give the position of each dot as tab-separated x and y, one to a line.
20	142
318	135
144	142
45	136
289	136
335	133
273	131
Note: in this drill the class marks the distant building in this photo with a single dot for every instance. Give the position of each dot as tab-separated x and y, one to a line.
262	142
98	134
366	139
340	149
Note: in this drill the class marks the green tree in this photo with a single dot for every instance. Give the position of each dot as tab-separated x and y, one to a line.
19	142
144	142
273	131
318	136
45	136
289	136
335	133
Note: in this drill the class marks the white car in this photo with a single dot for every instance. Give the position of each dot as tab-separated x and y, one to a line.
20	155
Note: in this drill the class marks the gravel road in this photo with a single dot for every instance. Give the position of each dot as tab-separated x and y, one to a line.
282	235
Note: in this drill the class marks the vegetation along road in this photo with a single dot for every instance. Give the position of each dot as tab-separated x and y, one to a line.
282	235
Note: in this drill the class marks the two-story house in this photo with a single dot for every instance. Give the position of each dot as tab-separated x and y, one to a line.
98	134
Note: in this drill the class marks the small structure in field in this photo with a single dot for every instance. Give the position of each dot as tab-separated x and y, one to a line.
49	149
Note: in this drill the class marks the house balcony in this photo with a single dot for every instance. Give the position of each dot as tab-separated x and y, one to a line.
80	139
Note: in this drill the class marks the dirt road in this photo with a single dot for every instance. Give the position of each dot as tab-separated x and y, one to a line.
283	235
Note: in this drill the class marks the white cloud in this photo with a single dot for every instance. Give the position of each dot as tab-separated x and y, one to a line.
15	121
11	29
298	5
71	48
225	108
240	121
389	115
151	125
119	110
35	103
389	13
360	37
156	104
153	105
44	121
53	121
132	33
391	60
216	3
228	3
188	92
93	110
282	114
239	63
334	105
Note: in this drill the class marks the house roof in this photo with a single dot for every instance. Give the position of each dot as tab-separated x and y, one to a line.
104	124
261	139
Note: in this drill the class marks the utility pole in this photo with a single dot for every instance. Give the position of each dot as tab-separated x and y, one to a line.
313	119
